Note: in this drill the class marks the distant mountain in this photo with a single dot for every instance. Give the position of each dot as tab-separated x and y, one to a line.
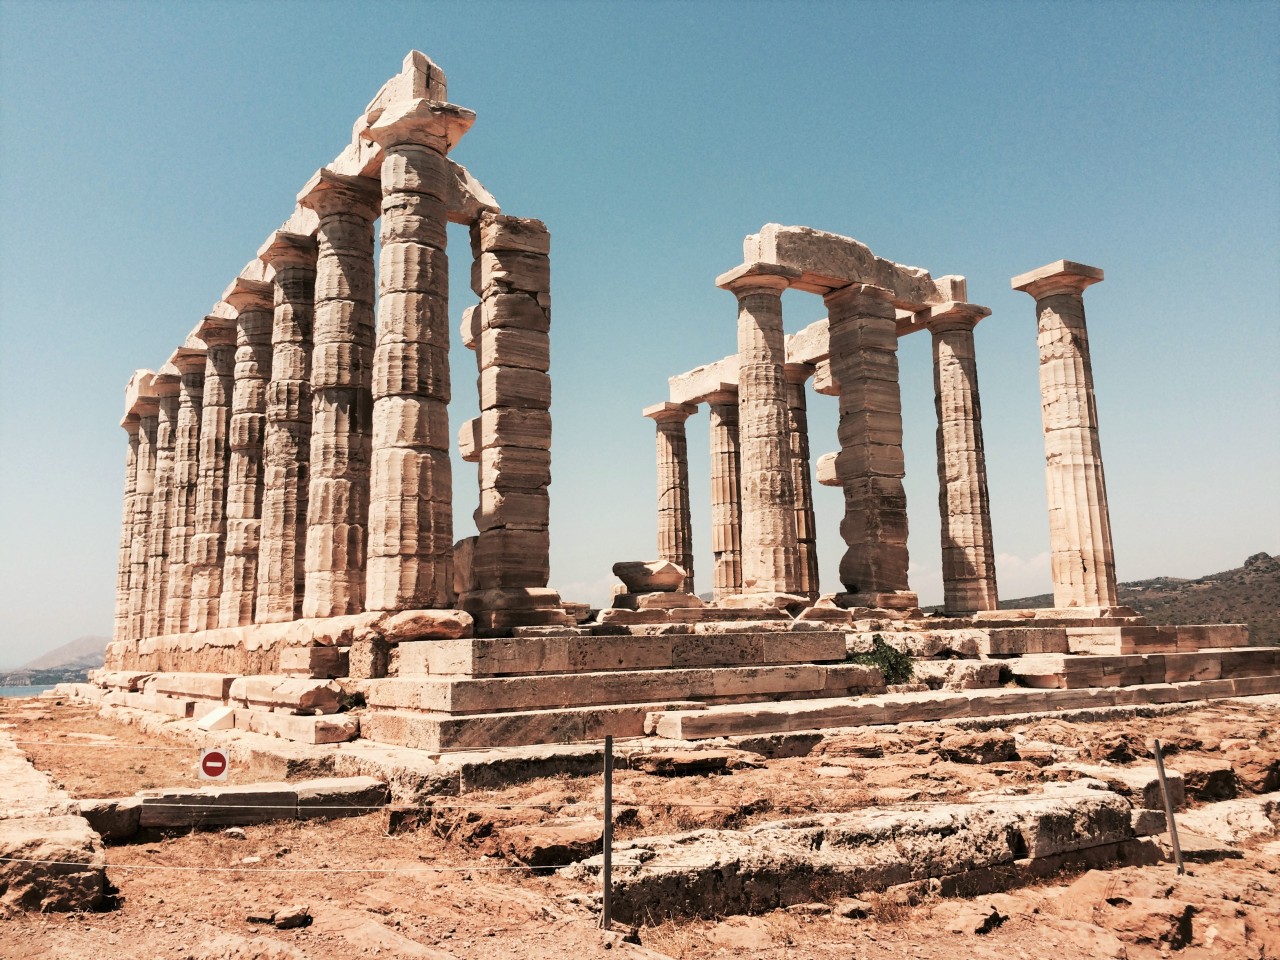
1248	594
83	653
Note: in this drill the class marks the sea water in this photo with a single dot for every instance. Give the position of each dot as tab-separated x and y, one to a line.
25	691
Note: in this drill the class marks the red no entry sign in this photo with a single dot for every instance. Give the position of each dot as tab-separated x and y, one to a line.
214	764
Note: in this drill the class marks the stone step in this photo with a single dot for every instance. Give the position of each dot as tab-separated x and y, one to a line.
439	732
190	686
1095	638
1075	672
759	718
585	654
549	691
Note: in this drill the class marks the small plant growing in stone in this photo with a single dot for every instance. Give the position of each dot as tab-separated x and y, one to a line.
893	663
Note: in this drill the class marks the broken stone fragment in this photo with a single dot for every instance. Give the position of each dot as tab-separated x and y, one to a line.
649	576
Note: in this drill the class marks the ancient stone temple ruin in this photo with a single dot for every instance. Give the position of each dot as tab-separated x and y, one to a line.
287	548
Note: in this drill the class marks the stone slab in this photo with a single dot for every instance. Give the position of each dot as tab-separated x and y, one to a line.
191	686
321	728
441	732
545	691
291	693
331	797
582	654
166	808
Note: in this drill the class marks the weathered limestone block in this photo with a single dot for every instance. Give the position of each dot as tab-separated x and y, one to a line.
827	474
675	528
252	301
208	545
286	448
769	553
289	693
1079	519
864	361
726	493
51	863
190	362
968	554
341	391
167	385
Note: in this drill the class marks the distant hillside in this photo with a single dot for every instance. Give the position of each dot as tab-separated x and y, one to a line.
83	653
1248	594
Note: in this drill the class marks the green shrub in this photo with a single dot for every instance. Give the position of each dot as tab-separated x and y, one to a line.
893	663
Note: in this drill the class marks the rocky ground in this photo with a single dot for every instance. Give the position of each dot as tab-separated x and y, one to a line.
455	880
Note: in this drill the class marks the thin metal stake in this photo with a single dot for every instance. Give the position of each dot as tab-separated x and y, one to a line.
606	871
1168	810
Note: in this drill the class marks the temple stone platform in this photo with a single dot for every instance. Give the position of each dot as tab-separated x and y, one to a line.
418	684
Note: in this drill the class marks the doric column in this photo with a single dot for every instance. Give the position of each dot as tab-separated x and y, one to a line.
968	556
726	494
801	480
252	301
341	399
511	439
286	449
1084	572
120	630
147	408
190	361
410	541
675	528
864	363
167	385
769	555
208	546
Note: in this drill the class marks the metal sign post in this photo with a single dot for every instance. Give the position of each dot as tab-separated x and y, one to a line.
1168	810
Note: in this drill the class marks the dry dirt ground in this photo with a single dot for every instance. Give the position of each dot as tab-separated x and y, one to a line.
448	883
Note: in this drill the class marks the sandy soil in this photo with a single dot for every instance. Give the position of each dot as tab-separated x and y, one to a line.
443	890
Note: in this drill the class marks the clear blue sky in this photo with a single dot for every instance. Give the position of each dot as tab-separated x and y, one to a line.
146	149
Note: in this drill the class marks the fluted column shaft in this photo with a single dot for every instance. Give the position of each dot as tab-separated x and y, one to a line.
864	362
286	449
1083	557
769	553
801	479
120	629
167	385
726	494
675	527
208	545
410	543
968	554
144	492
341	399
186	472
252	301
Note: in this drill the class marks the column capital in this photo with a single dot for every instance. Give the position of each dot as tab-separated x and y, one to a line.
797	372
417	121
952	316
726	393
217	331
189	358
140	394
245	295
329	193
130	423
752	277
285	249
167	381
1061	276
670	412
861	294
